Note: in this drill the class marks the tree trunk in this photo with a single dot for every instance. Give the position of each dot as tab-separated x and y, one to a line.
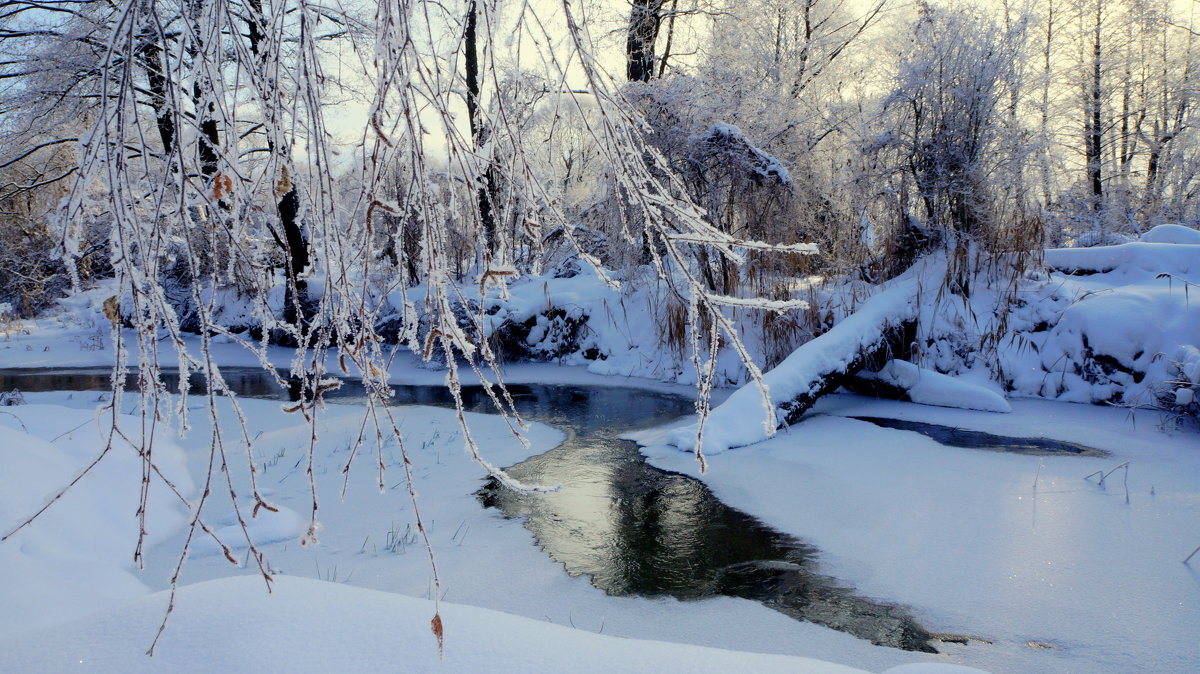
893	342
1094	123
644	21
486	192
164	118
288	207
883	328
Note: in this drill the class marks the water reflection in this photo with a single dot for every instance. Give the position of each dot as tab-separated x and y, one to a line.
633	528
638	530
243	381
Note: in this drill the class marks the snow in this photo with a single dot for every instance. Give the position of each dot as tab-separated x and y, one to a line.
1124	333
77	335
1128	259
1172	234
1135	318
76	559
1059	574
927	387
931	668
306	625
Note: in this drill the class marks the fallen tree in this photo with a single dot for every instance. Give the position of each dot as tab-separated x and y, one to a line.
882	328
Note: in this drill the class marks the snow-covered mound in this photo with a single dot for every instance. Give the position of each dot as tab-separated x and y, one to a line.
75	558
305	625
1172	234
1127	262
1108	325
1122	332
927	387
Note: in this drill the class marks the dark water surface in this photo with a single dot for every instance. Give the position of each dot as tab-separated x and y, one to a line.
633	528
968	439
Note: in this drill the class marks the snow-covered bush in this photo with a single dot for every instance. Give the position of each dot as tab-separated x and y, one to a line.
1181	393
32	277
9	322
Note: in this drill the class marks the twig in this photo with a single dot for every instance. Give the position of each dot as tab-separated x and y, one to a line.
1189	557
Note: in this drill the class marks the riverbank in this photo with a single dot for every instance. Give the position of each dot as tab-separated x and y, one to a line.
1057	572
960	536
367	541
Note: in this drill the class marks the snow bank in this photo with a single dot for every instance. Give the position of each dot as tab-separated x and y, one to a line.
74	558
1136	259
312	626
1127	329
1172	234
573	317
1117	324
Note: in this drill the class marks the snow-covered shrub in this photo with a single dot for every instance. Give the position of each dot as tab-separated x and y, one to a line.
32	276
1180	394
1098	237
548	335
9	322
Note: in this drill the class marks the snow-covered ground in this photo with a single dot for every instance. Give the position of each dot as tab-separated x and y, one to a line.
366	541
74	560
1064	577
1058	573
312	626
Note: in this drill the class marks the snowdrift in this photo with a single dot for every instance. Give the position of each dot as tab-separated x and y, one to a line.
76	558
305	625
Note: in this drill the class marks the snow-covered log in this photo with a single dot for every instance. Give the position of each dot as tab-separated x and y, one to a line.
1178	234
818	367
1168	258
902	380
